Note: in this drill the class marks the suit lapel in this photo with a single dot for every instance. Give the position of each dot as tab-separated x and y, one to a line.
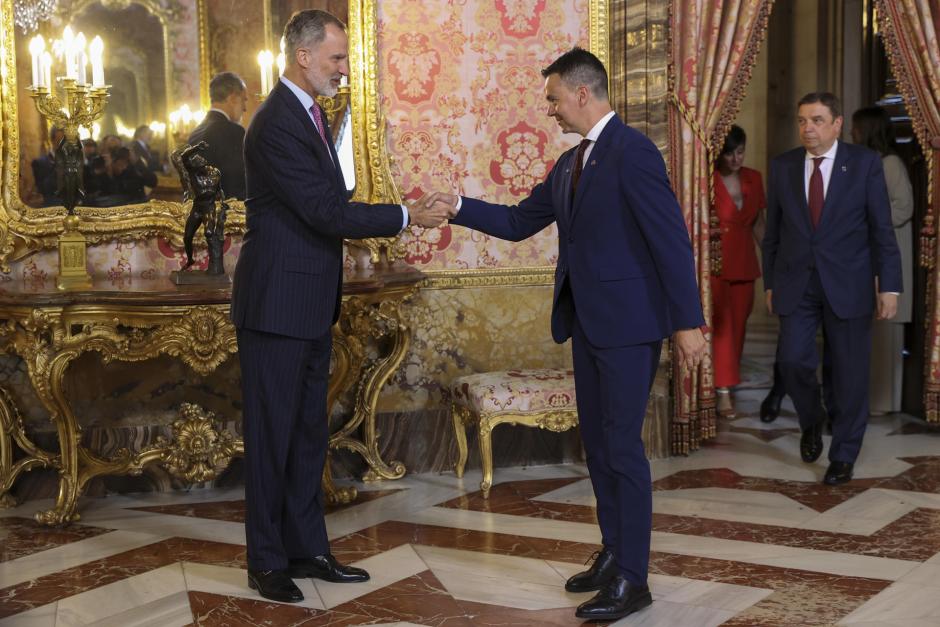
294	106
798	189
598	153
837	179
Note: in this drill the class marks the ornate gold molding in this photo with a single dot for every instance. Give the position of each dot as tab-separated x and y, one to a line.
489	277
599	33
205	59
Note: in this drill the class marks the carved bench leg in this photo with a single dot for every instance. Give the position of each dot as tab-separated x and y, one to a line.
460	433
486	455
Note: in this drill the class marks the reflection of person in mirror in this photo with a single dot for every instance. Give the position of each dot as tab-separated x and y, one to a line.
201	183
285	297
223	133
44	170
142	151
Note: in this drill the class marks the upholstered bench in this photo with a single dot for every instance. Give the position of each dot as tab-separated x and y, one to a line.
535	398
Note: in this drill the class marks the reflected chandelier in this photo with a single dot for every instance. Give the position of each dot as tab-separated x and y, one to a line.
27	14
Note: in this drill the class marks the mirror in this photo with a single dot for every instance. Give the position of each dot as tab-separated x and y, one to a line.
158	57
126	149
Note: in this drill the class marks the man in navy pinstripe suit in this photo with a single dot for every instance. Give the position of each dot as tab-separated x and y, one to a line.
285	297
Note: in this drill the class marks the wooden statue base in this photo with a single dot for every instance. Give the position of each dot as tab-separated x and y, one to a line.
198	277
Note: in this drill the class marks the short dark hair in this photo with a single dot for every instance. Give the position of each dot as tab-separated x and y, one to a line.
828	99
579	67
122	153
307	27
224	84
736	137
873	127
140	130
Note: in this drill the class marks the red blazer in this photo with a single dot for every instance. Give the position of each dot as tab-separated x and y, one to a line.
738	249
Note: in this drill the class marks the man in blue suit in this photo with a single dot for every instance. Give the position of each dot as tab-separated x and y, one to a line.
625	279
285	297
830	254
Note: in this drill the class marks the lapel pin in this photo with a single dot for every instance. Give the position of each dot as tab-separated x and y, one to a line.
593	162
845	169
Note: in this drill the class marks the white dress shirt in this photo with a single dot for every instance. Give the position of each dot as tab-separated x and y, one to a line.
825	168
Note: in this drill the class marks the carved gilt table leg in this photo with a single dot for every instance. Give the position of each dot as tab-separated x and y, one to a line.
12	431
384	320
460	416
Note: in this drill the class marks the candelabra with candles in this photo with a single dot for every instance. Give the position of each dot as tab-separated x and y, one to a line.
266	61
80	105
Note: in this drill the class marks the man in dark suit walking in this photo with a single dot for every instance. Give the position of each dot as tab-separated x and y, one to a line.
223	133
830	255
625	279
285	297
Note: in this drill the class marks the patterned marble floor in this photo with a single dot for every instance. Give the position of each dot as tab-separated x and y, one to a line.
744	535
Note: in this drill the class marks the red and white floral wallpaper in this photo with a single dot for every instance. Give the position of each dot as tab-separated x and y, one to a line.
462	93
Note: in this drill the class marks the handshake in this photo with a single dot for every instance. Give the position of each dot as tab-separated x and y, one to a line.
433	209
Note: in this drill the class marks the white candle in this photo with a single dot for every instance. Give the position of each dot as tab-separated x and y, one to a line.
264	74
46	62
68	42
97	64
281	63
81	59
36	47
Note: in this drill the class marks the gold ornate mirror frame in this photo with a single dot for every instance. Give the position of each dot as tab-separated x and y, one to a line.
24	230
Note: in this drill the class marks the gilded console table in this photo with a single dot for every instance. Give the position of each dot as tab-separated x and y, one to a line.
139	319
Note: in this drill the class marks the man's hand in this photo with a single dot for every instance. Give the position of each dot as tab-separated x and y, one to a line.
769	298
431	210
443	200
887	306
690	344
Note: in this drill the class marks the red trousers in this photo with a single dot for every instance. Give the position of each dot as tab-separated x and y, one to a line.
732	302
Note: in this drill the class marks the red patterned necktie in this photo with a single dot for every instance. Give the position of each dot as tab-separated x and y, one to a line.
578	164
318	122
816	197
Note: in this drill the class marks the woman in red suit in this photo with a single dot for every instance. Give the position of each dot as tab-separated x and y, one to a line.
739	204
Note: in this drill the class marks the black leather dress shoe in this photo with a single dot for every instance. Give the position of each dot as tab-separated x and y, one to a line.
770	407
811	444
275	585
615	600
839	473
601	571
326	567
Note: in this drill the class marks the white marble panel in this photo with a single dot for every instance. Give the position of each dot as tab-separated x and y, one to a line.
384	569
233	582
927	574
170	525
73	554
170	611
899	602
518	582
577	493
42	616
667	614
748	506
719	596
127	594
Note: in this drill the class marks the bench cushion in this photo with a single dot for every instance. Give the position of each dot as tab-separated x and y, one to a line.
516	391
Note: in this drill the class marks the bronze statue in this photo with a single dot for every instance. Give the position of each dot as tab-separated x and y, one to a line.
69	162
202	184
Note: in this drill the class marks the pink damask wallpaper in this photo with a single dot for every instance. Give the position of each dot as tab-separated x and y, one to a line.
462	92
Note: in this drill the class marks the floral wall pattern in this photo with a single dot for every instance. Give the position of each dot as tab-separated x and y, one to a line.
462	92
